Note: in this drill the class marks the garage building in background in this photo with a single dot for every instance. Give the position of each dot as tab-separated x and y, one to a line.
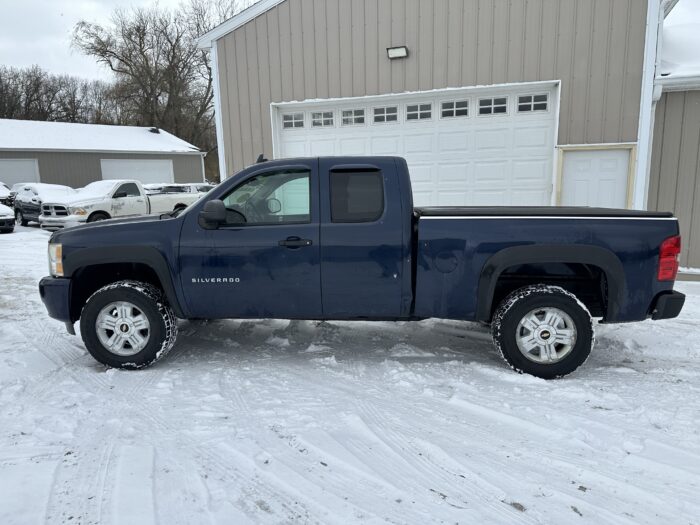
491	102
77	154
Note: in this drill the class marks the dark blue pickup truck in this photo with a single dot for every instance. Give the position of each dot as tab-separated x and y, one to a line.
339	238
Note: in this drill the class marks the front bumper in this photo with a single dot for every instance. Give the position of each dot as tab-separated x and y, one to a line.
667	305
49	222
55	294
7	223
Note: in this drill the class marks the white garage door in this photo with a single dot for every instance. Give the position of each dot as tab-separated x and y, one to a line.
485	146
13	171
595	178
146	171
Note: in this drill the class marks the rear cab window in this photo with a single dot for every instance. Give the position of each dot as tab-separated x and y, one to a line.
356	196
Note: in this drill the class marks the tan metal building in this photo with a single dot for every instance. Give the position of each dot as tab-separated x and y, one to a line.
675	167
491	101
76	154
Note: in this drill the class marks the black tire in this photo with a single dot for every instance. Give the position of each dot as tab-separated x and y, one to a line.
505	328
151	302
19	218
98	216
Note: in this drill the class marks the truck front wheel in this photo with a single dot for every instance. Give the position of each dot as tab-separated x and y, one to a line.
543	330
128	324
98	216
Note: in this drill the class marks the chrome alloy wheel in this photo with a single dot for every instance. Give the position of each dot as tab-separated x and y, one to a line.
122	328
546	335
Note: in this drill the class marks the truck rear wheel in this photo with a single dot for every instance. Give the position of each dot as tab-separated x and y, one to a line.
128	324
543	330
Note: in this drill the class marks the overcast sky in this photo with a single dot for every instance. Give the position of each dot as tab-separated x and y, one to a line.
39	31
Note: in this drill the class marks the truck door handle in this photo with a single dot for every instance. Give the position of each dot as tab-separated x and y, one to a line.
295	242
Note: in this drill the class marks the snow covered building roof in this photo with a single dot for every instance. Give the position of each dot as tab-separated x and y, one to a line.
29	135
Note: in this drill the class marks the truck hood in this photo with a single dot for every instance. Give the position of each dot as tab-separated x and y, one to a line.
5	211
74	201
77	234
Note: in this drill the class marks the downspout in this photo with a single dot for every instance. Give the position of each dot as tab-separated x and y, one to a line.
642	195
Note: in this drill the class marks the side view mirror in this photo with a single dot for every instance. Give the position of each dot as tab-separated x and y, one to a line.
274	205
120	195
213	214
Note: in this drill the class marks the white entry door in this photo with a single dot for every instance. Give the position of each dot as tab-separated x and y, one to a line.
469	146
13	171
145	171
595	178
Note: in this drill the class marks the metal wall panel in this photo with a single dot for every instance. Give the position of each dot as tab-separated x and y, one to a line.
675	167
76	169
306	49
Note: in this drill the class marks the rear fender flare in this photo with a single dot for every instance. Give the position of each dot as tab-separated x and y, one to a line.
551	253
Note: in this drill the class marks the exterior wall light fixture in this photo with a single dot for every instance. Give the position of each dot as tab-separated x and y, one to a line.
397	52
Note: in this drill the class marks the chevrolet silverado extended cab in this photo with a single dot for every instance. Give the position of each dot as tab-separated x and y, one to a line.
340	239
107	199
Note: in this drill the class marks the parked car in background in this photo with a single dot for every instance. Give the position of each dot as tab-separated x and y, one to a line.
4	194
13	193
7	219
190	187
31	196
108	199
201	187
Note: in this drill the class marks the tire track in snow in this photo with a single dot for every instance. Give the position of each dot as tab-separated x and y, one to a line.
91	465
566	462
445	477
309	468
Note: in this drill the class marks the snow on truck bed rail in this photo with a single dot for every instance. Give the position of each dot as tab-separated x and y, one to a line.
282	421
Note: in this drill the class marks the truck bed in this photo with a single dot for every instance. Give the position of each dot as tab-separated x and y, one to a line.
537	211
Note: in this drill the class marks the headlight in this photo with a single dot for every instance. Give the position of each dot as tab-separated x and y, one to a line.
56	260
77	211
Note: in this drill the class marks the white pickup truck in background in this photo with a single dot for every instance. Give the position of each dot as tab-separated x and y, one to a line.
108	199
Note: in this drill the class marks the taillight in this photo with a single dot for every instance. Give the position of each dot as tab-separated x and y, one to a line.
669	251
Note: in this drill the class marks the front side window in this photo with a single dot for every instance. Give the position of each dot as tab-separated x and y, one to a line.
489	106
280	197
293	120
386	114
322	119
128	190
356	196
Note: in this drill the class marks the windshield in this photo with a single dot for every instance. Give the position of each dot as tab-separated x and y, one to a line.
100	187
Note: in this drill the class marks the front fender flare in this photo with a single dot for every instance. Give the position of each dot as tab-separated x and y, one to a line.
146	255
551	253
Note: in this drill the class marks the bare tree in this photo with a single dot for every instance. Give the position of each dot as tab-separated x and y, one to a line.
34	94
162	79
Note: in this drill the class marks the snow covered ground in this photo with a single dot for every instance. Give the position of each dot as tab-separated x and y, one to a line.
307	422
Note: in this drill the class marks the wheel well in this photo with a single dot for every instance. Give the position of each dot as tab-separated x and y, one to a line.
99	212
587	282
89	279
